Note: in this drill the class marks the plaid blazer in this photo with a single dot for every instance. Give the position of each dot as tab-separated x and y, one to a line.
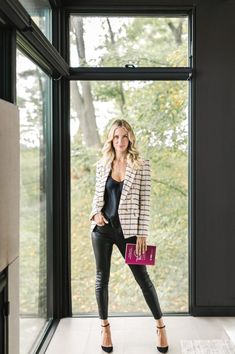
134	205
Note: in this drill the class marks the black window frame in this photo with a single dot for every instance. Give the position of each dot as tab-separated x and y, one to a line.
155	74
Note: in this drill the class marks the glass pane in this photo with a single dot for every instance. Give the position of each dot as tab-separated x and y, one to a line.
33	100
158	112
117	41
40	11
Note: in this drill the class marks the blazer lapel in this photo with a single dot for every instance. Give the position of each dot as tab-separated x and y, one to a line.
129	178
104	178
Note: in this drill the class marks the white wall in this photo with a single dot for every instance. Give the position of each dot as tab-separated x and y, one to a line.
9	212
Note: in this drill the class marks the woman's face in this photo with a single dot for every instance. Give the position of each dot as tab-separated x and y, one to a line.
120	139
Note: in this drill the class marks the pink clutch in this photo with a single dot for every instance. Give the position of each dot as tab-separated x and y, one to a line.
148	258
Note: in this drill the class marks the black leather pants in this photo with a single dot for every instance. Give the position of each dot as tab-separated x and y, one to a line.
103	238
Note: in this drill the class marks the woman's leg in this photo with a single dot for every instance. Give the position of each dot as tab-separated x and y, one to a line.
142	277
102	246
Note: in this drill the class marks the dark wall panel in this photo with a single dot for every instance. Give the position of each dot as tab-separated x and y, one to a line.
215	153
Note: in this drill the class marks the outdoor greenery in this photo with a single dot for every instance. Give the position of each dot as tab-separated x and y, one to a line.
33	95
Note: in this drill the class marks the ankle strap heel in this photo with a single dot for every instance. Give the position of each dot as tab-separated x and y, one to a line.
162	349
106	349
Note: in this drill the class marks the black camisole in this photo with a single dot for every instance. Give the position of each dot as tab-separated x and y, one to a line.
113	190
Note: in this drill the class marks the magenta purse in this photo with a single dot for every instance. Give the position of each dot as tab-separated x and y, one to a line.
148	258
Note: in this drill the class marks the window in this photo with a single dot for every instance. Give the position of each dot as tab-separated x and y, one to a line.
40	11
34	102
158	111
109	41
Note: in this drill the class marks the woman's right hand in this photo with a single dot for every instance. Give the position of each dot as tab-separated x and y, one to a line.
100	219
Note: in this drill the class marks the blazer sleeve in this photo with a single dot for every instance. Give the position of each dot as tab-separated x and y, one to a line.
144	202
95	208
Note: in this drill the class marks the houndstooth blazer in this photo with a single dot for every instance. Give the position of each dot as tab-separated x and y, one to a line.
134	205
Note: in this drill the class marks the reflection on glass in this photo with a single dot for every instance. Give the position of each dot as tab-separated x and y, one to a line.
40	11
33	98
117	41
158	111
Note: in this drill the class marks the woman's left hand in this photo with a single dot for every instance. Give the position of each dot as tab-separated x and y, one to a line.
141	245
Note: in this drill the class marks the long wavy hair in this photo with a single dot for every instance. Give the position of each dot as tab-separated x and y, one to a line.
133	155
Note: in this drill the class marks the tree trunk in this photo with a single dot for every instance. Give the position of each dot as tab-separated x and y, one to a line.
82	98
177	31
122	94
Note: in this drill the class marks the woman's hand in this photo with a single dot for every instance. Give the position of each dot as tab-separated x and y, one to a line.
141	245
100	219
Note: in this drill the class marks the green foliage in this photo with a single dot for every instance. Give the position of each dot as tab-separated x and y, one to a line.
142	41
32	98
32	248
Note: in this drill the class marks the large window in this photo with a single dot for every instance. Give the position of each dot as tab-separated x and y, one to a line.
34	102
158	111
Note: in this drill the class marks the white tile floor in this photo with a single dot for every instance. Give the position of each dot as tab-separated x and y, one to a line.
30	328
136	335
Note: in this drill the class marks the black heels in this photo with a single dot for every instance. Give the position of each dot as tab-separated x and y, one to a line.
110	349
106	349
161	349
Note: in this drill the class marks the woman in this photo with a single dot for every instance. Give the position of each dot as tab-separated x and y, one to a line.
120	215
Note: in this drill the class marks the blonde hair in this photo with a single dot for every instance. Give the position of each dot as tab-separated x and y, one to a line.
133	155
